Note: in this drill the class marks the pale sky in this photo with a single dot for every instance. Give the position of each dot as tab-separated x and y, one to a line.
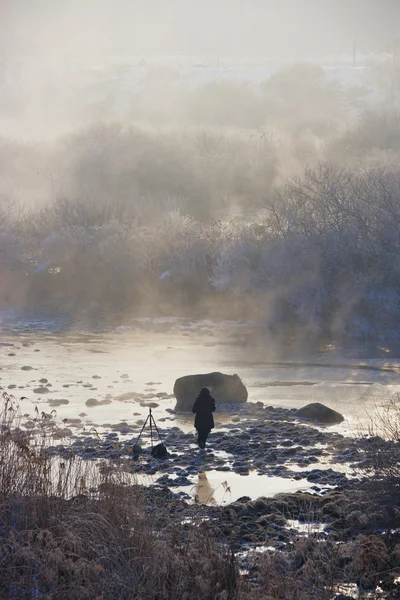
62	28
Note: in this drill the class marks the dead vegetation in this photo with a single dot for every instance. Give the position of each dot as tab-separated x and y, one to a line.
77	529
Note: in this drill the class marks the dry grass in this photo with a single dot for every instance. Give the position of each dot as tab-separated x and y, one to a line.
315	569
383	454
380	497
73	530
81	530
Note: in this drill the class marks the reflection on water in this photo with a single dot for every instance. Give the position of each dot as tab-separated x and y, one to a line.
216	487
204	491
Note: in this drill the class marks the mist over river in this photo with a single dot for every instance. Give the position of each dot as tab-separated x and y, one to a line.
111	377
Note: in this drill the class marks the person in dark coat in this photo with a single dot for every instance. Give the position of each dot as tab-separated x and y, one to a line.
204	421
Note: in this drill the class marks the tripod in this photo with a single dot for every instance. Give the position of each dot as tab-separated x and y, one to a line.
152	424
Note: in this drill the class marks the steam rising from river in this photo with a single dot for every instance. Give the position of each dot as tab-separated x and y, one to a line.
241	187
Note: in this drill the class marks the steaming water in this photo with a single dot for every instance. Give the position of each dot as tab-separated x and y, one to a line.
147	356
126	368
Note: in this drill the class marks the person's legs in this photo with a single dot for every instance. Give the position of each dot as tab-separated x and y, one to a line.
199	438
203	435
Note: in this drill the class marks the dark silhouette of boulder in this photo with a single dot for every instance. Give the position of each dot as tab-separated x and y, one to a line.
320	413
226	389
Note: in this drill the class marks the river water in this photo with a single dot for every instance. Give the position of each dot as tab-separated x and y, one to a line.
106	379
132	364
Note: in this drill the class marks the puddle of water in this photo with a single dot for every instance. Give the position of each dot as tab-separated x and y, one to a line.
245	554
353	591
322	466
259	550
220	488
304	527
215	487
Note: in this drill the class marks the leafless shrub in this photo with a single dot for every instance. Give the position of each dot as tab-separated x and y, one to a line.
382	451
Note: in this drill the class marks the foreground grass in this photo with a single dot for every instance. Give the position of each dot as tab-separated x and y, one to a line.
74	530
81	530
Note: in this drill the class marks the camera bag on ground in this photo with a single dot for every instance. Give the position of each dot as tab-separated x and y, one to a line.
159	451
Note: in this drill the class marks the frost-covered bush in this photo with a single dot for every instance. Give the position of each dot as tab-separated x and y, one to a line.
345	224
375	129
136	172
179	220
323	258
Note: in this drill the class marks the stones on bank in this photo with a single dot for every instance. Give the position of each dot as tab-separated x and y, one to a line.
320	414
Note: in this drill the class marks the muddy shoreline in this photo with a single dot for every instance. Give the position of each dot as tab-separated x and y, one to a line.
266	441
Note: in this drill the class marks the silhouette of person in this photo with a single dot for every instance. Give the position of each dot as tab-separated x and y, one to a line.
204	421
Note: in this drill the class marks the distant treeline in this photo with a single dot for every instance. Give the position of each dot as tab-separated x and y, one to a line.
296	226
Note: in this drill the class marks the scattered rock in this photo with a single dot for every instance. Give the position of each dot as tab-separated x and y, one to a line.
55	402
149	404
128	396
95	402
43	380
41	390
320	413
59	434
26	368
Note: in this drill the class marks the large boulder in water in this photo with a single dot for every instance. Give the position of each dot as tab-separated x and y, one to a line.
226	389
320	413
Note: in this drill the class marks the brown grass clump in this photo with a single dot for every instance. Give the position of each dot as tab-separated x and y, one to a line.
74	530
314	569
307	572
382	457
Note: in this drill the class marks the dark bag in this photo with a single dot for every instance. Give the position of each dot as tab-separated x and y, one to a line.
159	451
